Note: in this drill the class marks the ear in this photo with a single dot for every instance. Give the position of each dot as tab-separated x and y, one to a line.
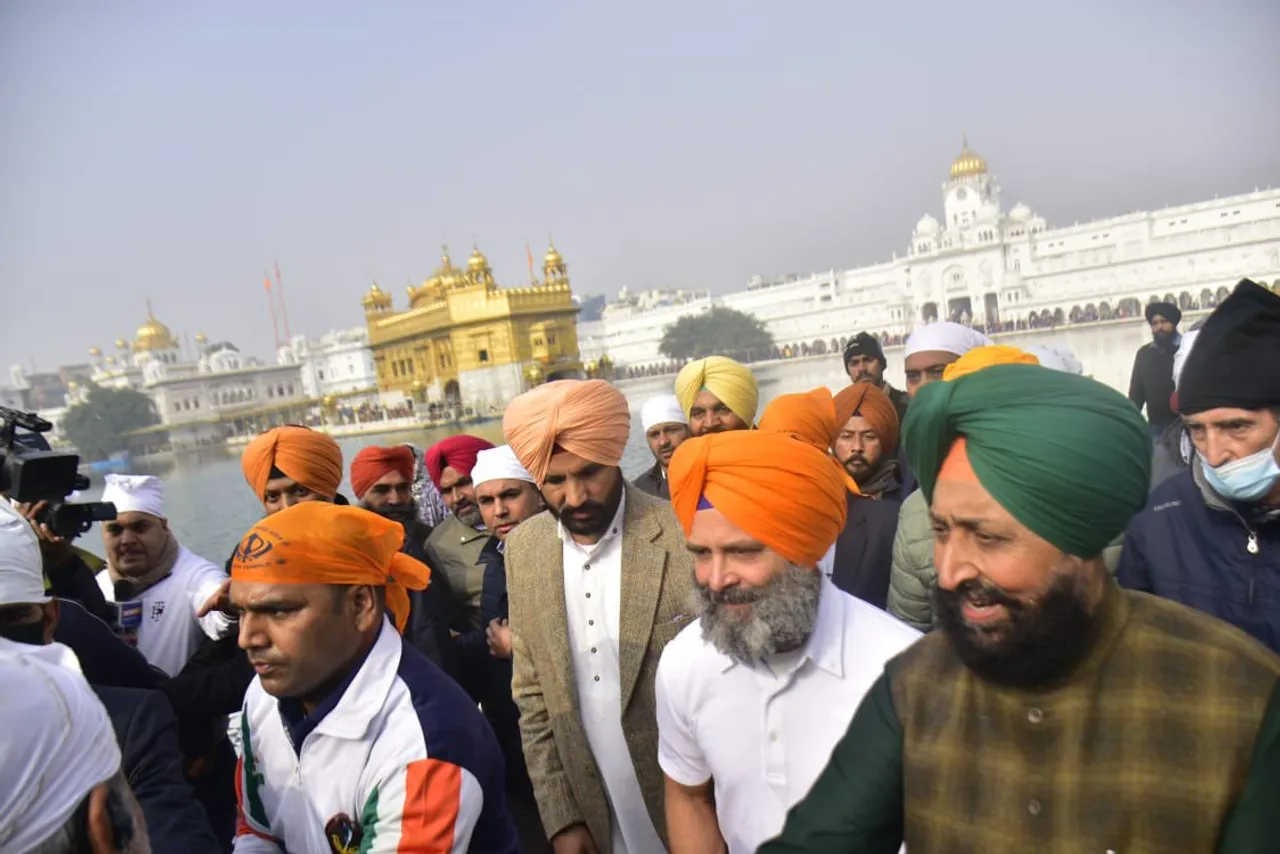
98	821
366	611
51	611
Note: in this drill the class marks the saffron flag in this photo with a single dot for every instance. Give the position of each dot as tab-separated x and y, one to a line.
266	282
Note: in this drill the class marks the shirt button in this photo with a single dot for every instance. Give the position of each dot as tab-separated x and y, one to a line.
597	678
773	736
587	567
1033	806
593	649
588	595
1035	716
590	622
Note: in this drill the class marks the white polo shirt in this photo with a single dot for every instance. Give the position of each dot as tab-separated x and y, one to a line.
764	738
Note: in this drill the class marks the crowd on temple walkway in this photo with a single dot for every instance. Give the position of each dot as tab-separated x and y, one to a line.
1000	609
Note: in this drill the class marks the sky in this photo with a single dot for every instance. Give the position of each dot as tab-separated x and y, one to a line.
175	151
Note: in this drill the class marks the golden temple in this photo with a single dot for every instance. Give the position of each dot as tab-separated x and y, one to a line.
465	338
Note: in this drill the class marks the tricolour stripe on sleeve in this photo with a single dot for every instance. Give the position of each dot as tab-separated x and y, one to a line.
431	807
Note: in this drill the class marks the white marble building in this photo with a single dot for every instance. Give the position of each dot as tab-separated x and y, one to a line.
337	364
1002	270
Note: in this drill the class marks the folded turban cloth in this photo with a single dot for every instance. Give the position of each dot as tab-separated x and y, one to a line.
135	493
784	493
58	744
1056	356
946	337
661	409
732	383
869	401
984	357
1067	456
457	453
1236	360
373	462
320	543
1167	310
811	418
306	456
498	463
21	565
589	418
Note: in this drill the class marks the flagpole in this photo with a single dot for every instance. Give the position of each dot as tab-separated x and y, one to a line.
529	254
284	307
275	326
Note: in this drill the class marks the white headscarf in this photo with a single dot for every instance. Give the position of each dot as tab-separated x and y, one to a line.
58	742
946	337
498	463
661	409
135	493
1180	355
21	567
1057	356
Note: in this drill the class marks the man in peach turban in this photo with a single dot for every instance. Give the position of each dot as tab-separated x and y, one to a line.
718	394
315	585
776	648
291	464
597	586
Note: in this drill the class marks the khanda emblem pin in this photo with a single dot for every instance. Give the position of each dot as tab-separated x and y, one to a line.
251	548
343	834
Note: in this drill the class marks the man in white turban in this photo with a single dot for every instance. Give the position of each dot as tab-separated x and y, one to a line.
159	584
60	777
665	427
934	346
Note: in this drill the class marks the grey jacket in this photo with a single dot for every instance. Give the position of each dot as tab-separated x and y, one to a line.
913	577
657	574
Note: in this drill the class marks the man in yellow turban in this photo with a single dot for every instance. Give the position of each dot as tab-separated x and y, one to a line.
338	689
752	698
291	464
597	587
718	394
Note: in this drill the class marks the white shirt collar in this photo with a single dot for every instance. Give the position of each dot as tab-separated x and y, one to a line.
360	703
825	643
614	530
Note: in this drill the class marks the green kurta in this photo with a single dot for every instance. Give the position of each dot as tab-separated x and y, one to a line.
1165	740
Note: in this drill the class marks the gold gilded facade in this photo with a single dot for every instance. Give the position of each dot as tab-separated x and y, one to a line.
465	339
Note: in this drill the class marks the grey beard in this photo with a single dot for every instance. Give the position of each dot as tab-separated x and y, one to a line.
780	619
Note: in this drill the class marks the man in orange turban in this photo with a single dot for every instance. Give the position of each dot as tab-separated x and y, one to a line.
776	647
597	586
315	584
867	440
291	464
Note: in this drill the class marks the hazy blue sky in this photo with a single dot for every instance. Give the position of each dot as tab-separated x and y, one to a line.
174	149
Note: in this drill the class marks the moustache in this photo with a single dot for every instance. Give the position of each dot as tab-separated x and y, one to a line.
856	458
981	594
732	596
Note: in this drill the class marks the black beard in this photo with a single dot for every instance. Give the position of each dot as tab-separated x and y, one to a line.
601	513
1038	644
1163	339
405	514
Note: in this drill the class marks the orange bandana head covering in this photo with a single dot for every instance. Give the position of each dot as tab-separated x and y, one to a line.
984	357
811	418
870	402
589	418
785	493
307	456
320	543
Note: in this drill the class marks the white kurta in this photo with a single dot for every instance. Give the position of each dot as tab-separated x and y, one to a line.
169	632
593	596
764	731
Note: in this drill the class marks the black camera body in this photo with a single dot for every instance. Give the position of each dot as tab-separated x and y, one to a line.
31	472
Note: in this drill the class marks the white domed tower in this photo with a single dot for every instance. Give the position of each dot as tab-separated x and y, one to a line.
971	194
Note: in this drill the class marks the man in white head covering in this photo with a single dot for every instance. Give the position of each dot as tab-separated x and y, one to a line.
665	428
506	495
1059	357
61	789
934	346
159	585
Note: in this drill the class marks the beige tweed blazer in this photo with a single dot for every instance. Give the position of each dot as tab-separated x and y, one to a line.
657	574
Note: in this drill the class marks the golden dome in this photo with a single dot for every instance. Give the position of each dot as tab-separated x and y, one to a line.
552	258
95	352
153	335
201	338
72	385
477	263
968	164
378	297
122	344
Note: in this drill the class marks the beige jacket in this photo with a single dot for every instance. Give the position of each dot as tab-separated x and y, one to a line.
657	574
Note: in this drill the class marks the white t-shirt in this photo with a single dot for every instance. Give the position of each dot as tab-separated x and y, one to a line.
764	736
169	632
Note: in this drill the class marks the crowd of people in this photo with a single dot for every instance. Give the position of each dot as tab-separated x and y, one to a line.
996	610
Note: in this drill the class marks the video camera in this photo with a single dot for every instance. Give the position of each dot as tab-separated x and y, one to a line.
30	472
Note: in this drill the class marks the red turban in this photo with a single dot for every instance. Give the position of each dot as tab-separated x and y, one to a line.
374	462
457	453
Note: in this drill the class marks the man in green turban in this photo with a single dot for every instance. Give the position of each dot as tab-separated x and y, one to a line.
1053	711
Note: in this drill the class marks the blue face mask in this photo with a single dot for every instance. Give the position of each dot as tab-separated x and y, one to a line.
1247	479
